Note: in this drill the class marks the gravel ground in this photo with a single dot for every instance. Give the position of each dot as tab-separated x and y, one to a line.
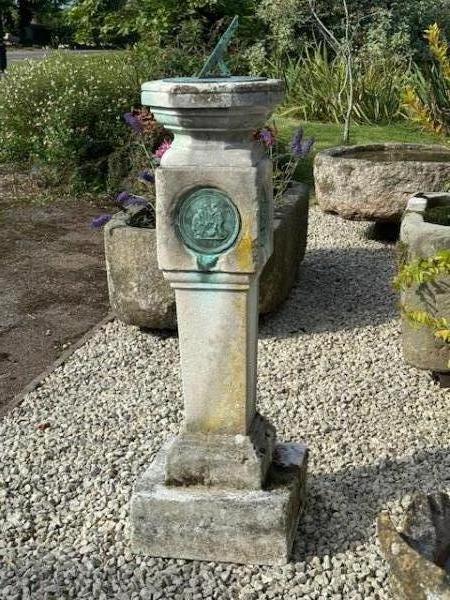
330	375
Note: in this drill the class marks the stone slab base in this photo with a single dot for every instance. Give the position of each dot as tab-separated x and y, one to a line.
241	526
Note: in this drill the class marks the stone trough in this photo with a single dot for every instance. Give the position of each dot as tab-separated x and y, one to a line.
421	239
373	182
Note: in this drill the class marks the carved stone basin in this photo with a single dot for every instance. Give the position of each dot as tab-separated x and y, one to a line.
419	554
373	182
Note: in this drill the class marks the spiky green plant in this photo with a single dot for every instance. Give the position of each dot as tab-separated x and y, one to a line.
315	88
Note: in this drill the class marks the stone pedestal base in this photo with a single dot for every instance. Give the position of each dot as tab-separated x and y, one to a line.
241	526
216	461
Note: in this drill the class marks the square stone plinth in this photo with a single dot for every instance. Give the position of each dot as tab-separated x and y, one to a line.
241	526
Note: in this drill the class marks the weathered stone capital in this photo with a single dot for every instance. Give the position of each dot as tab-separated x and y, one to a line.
213	122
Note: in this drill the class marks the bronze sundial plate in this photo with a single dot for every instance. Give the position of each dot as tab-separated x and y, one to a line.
243	79
207	221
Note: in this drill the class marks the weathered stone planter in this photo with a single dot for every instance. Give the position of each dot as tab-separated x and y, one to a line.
419	556
139	294
374	182
421	240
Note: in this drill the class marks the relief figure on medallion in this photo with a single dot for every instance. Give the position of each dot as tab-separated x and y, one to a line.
208	221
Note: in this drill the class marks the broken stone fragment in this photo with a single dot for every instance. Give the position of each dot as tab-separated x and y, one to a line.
419	555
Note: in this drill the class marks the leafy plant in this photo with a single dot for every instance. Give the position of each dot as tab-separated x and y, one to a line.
313	86
420	272
153	141
423	270
379	81
440	326
119	21
427	99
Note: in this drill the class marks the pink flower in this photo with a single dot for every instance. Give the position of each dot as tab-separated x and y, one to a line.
162	149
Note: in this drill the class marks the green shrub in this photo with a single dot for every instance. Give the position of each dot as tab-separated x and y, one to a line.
182	57
117	22
288	23
65	112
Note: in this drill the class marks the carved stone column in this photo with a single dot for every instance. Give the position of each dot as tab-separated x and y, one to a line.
216	492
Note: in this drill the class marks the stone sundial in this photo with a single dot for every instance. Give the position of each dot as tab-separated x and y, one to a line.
223	489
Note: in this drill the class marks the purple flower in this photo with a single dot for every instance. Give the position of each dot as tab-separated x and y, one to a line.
127	199
98	222
162	149
136	201
300	147
267	137
122	197
133	122
146	177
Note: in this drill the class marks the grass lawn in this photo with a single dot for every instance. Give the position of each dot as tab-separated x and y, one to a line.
328	135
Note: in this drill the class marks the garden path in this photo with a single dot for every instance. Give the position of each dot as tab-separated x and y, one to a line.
52	280
19	54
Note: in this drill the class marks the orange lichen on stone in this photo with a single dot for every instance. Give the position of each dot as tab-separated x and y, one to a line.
244	249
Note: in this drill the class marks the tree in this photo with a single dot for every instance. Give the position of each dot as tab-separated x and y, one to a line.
18	15
341	47
121	21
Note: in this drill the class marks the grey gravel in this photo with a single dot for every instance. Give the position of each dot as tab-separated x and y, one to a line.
330	375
